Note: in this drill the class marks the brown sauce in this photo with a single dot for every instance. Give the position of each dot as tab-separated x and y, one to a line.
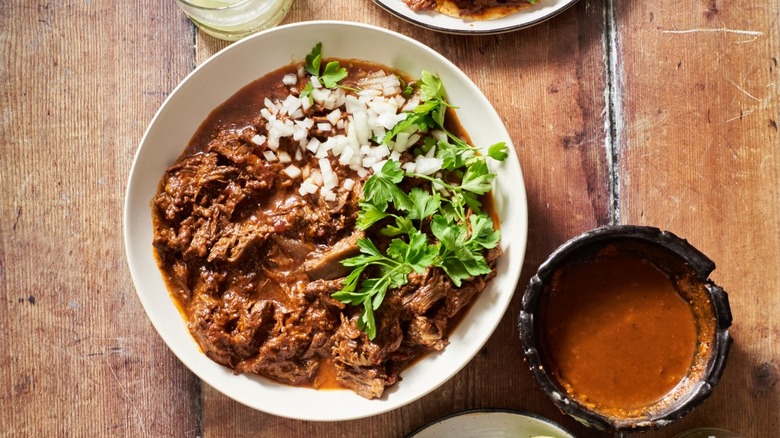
616	332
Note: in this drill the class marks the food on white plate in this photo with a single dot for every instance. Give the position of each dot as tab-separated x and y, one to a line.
471	9
327	225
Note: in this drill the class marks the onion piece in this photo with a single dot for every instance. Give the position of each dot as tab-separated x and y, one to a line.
292	171
259	139
290	79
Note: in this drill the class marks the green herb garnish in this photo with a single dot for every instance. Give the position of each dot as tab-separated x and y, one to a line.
332	73
450	207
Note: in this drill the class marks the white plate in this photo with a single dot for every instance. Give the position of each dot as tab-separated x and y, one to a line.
215	81
544	10
491	424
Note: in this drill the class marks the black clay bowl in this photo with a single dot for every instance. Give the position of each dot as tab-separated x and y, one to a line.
685	269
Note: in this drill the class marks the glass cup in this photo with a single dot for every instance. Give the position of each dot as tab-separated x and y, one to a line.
232	20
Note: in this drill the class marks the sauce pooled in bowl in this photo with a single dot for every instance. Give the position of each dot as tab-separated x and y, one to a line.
618	334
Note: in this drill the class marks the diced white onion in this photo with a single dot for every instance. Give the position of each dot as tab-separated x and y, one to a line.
258	139
320	95
267	114
370	161
327	194
346	155
307	187
354	122
427	166
354	105
316	177
284	157
376	167
439	135
360	121
313	145
273	141
290	79
299	133
292	171
334	116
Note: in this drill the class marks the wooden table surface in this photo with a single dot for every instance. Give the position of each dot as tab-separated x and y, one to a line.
660	113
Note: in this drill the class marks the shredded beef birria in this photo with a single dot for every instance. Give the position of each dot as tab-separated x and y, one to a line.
252	262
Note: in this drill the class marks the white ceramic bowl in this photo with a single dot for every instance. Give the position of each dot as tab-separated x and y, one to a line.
214	82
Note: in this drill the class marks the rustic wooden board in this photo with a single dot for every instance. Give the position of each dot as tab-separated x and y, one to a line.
79	82
684	94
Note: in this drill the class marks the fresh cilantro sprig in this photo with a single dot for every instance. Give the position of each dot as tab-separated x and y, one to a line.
382	187
459	239
454	152
331	74
461	256
401	259
450	208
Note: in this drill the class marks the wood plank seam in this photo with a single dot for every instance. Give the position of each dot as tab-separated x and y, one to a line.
613	99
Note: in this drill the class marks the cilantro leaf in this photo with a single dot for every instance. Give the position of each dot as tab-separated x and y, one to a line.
477	178
417	254
333	74
369	215
306	92
313	60
451	235
453	157
367	247
462	257
472	200
403	225
423	204
366	321
330	77
381	187
430	87
498	151
421	121
482	233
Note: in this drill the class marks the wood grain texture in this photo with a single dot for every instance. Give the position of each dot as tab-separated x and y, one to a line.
661	113
80	81
698	154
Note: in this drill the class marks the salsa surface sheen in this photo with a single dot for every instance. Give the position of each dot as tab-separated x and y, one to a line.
617	333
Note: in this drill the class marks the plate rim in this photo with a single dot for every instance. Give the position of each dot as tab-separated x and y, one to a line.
511	412
411	17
